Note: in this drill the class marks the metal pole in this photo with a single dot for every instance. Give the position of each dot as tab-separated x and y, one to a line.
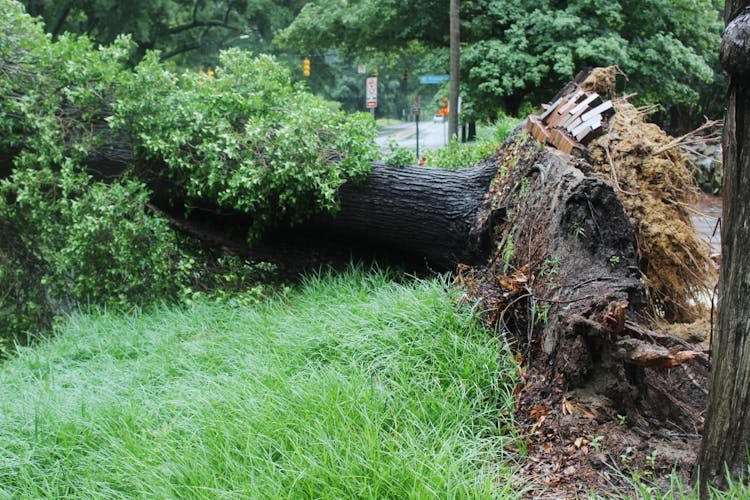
417	119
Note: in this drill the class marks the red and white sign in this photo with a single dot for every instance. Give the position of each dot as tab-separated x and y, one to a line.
371	92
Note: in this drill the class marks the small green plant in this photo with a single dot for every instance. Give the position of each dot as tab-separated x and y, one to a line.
541	314
651	459
523	188
626	456
597	443
399	156
578	231
549	267
614	260
622	420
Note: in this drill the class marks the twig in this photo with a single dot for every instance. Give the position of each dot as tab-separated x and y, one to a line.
676	142
614	175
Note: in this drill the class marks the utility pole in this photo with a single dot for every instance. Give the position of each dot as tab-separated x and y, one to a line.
455	54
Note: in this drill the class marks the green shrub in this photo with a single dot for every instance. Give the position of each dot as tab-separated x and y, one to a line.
399	156
247	140
457	154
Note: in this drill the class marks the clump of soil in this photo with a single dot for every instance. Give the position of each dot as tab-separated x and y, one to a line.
601	80
650	176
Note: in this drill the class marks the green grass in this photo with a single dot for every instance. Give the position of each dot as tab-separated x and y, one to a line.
354	386
387	122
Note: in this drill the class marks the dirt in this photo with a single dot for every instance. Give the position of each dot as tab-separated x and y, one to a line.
602	292
650	175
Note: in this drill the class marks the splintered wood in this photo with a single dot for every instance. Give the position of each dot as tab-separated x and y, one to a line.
571	122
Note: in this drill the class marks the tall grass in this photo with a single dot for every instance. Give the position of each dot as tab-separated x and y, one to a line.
354	386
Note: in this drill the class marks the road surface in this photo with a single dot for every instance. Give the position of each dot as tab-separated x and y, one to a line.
432	135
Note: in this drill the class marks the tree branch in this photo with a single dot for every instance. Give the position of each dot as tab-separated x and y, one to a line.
180	50
202	24
61	20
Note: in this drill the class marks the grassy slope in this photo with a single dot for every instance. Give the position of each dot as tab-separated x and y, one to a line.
354	386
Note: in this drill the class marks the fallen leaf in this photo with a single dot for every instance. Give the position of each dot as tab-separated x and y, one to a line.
587	413
567	407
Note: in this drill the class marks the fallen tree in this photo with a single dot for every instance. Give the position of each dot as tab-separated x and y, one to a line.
556	248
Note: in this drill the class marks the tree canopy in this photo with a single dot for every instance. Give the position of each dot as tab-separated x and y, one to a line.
518	51
194	29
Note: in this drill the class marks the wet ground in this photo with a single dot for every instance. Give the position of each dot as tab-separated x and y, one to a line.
705	219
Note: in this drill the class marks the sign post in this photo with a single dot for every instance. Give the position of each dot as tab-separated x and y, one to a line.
371	94
417	110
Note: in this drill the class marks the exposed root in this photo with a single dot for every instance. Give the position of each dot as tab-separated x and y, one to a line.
640	158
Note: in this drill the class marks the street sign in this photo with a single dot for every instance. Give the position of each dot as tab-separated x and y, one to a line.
371	92
416	108
433	79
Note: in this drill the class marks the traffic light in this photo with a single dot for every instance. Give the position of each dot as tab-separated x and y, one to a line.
406	75
306	67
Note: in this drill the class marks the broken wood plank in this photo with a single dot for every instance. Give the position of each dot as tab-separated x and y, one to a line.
605	109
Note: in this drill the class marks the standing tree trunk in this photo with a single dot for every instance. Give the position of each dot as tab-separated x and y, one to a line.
455	36
726	438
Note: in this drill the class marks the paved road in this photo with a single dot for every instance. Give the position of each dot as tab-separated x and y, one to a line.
431	135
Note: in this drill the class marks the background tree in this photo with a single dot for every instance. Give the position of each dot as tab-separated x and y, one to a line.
726	439
189	31
517	51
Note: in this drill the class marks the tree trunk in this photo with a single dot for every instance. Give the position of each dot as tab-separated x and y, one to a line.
726	438
455	54
425	213
411	214
432	213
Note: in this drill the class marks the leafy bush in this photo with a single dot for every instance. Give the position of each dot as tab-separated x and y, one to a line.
399	156
456	154
248	140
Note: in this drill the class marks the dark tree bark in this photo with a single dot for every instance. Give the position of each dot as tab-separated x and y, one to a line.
726	438
428	212
413	214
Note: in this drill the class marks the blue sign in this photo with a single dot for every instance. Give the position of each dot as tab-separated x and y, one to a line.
433	79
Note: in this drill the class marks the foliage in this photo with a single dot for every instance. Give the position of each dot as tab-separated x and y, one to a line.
399	156
541	46
520	51
190	32
395	392
374	25
457	154
248	139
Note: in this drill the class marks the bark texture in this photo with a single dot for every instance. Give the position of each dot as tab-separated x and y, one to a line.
726	438
433	213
